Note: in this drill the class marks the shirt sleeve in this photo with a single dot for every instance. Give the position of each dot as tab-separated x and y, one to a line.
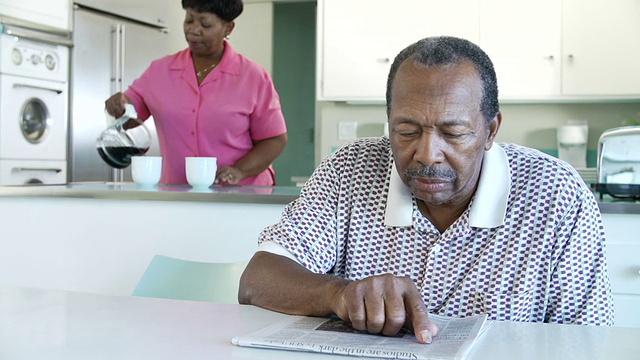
267	119
277	249
307	228
136	92
580	290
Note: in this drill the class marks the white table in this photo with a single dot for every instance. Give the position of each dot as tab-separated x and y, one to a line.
48	324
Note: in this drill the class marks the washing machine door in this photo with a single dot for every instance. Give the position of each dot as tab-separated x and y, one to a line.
34	121
33	118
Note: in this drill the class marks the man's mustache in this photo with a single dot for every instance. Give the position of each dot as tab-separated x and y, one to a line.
431	172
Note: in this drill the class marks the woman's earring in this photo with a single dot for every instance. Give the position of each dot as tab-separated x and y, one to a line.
226	37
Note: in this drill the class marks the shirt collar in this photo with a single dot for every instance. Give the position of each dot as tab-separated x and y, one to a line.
489	205
228	62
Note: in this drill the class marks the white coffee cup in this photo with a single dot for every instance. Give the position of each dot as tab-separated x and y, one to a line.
201	171
146	170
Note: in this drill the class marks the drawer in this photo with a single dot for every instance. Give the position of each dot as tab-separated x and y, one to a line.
624	268
617	226
627	314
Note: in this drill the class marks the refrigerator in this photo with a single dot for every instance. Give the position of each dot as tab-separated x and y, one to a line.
111	48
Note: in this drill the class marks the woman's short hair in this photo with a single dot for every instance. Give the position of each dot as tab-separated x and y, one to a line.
226	10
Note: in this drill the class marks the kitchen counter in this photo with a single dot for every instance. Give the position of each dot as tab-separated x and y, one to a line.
97	237
217	193
100	237
131	191
609	205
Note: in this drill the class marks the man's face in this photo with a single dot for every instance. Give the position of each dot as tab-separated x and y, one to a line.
437	131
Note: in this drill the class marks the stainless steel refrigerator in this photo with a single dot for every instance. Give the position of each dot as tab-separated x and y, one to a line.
109	52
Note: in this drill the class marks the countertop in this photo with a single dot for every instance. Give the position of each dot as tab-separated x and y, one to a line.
216	193
131	191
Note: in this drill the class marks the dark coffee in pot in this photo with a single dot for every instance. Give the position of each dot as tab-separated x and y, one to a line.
119	157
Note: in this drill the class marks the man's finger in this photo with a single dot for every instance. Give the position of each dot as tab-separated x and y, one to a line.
424	329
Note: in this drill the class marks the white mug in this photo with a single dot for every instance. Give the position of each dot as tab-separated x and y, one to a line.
201	171
146	170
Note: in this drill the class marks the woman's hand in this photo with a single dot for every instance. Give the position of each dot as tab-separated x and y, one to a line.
115	104
229	175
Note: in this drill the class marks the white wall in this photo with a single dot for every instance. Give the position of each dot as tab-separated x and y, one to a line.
531	125
174	24
253	34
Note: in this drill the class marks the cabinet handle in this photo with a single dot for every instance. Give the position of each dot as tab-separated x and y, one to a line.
383	60
548	57
23	169
16	86
570	56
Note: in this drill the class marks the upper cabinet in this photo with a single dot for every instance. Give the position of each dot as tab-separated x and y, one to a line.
139	10
601	48
545	50
54	14
524	41
358	40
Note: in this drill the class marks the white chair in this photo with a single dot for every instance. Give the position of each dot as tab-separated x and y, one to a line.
172	278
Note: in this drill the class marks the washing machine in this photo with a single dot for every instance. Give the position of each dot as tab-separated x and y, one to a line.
34	106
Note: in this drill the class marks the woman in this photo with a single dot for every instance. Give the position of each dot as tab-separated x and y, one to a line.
208	100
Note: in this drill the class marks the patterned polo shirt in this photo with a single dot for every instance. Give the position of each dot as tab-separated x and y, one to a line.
530	246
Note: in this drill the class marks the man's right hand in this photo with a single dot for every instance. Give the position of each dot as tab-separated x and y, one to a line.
378	304
384	304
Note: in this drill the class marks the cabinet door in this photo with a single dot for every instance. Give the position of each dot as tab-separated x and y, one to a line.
601	47
358	39
523	39
50	13
141	10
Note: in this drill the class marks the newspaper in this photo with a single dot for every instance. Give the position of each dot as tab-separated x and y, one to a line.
334	336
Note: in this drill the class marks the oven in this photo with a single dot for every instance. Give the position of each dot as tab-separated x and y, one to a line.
34	106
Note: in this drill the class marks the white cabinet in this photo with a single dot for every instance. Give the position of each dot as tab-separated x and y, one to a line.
601	47
523	39
623	252
570	49
49	13
358	40
546	50
69	243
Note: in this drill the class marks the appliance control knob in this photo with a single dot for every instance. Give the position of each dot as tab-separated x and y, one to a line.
16	56
50	62
35	59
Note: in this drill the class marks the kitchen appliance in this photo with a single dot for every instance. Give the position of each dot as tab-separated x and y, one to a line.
113	44
572	143
123	139
619	162
34	106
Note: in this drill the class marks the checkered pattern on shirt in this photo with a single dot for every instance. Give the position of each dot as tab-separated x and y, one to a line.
547	263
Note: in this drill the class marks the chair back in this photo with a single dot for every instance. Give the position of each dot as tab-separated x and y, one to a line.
171	278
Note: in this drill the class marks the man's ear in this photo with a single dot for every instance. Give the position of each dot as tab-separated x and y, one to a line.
493	130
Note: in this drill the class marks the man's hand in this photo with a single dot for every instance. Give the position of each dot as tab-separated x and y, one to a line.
384	304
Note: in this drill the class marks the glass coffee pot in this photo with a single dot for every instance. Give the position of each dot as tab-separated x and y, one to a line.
125	137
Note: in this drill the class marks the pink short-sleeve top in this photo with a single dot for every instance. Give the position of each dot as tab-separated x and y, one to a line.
235	104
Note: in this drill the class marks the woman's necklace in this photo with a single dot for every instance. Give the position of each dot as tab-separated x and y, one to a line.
206	70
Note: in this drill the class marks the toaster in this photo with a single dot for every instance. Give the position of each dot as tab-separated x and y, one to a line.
618	169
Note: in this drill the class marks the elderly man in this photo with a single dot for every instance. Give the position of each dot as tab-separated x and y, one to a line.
438	218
